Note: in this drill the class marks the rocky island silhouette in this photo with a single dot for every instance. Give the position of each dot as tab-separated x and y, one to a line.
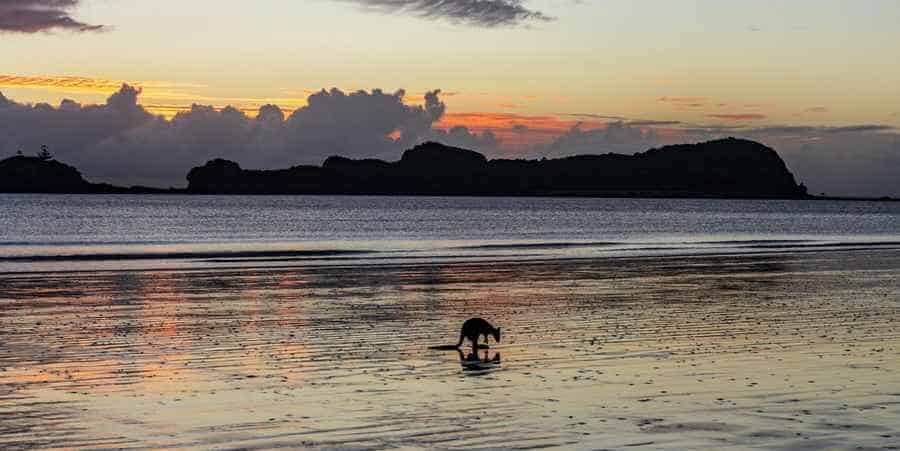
722	168
43	174
727	168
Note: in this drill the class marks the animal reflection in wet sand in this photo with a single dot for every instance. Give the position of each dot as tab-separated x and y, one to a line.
477	366
780	351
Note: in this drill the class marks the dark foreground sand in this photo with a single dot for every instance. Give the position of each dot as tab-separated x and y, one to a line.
787	351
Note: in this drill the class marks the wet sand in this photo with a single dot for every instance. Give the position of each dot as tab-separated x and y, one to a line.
780	351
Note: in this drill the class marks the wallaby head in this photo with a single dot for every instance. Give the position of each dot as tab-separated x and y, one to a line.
497	334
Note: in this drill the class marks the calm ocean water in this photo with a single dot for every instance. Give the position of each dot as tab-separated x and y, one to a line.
72	232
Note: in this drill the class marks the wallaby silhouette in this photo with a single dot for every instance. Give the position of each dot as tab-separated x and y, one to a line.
474	328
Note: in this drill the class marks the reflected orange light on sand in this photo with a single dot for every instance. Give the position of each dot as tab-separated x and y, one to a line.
161	317
161	374
69	373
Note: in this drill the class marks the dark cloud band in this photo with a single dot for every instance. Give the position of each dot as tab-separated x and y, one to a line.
484	13
121	142
32	16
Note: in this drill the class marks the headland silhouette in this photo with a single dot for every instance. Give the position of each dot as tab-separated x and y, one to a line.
725	168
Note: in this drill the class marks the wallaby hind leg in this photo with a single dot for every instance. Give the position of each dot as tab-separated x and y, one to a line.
475	345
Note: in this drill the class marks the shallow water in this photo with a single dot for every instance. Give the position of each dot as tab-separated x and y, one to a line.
58	233
783	350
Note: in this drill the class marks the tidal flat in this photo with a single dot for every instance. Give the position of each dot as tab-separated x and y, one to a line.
781	350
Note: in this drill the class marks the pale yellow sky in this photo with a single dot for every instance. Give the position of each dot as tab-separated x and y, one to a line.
821	62
817	80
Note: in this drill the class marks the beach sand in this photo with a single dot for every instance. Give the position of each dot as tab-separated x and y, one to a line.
782	351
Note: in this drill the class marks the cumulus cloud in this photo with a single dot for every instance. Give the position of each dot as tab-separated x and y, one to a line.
70	127
483	13
861	163
460	136
120	142
335	123
32	16
615	137
855	160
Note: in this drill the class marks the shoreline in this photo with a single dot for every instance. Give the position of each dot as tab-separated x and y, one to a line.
646	353
614	195
390	263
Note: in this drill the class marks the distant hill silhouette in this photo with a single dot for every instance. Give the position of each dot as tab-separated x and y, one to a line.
722	168
41	174
21	174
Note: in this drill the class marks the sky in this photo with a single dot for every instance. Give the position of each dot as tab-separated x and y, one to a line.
819	81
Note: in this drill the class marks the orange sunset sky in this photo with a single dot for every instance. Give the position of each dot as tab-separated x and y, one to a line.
540	77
